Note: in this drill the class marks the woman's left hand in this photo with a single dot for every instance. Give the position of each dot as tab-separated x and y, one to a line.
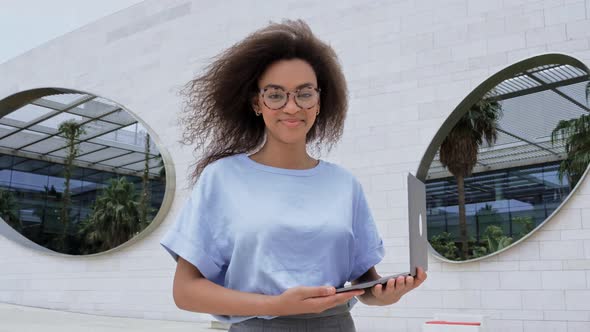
396	288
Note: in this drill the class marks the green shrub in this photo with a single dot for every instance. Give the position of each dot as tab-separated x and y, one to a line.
444	244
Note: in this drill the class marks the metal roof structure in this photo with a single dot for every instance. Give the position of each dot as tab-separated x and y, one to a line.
114	141
533	102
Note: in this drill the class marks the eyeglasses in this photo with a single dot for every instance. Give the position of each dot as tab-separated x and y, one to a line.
276	98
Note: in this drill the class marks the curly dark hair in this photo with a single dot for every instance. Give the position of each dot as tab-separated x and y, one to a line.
217	112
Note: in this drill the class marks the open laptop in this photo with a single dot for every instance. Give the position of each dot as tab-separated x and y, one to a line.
417	233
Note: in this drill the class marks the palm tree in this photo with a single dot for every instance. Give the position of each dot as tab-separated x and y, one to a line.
576	135
90	238
71	130
48	196
115	217
458	152
8	208
144	202
162	171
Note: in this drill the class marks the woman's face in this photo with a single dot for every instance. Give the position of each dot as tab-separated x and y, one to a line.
289	124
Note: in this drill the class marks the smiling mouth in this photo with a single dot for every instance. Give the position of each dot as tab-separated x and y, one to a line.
292	123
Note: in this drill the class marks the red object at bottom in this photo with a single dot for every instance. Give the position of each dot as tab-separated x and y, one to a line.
443	322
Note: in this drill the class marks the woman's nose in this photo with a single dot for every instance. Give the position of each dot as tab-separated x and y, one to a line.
291	107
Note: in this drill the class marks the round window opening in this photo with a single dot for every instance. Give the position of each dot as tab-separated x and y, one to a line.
79	174
508	157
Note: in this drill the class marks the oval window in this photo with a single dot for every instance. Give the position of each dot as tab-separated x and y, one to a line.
508	157
79	173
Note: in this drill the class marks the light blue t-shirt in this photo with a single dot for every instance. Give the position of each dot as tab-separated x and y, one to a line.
262	229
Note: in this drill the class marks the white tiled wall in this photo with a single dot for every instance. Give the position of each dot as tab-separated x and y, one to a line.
408	65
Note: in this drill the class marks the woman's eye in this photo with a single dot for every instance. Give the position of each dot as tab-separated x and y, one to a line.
304	95
275	96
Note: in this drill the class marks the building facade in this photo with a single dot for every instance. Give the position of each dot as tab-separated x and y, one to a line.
409	66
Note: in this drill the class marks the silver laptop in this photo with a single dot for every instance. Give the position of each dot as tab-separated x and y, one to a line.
417	235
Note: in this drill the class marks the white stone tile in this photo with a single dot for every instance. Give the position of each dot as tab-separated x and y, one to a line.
392	268
396	241
377	199
521	314
434	266
536	5
498	266
520	55
543	300
501	299
577	299
479	66
417	43
565	14
586	218
564	279
523	22
577	264
485	29
462	299
578	326
570	46
423	299
413	23
578	234
468	50
453	11
479	7
546	35
566	315
540	265
480	280
505	43
520	280
468	266
389	324
443	280
527	250
544	326
370	143
545	235
385	214
562	250
505	325
570	219
579	199
449	37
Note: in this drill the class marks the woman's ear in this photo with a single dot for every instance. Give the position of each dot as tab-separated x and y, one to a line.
319	102
254	105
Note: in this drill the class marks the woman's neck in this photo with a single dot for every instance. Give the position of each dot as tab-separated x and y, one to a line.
284	156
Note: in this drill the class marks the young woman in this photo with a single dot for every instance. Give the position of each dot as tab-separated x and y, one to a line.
268	231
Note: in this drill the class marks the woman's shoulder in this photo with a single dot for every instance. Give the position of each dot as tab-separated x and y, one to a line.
340	171
222	163
218	168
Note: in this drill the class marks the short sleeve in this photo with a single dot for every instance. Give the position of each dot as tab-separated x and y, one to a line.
368	245
191	235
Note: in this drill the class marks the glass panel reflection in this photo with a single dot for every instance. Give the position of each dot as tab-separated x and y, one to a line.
65	183
509	162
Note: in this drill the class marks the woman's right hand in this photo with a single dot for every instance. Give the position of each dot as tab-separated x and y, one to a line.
303	300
